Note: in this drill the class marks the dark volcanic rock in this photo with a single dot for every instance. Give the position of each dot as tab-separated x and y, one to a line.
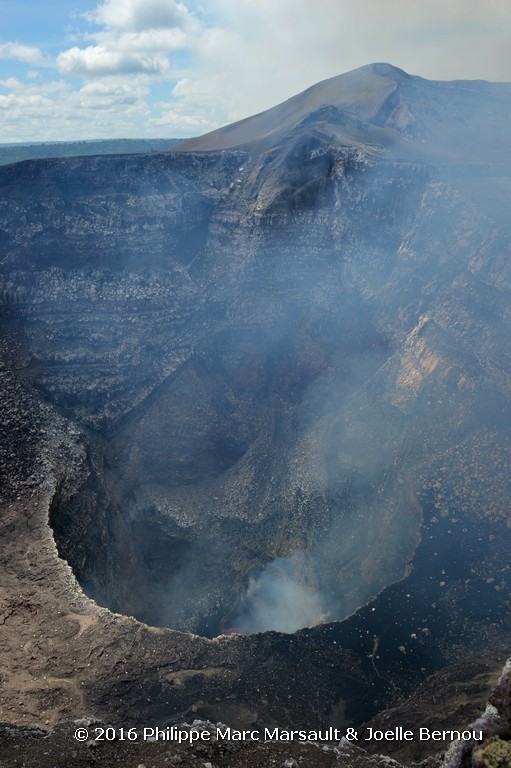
256	388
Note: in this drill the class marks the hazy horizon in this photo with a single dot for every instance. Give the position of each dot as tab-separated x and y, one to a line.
150	68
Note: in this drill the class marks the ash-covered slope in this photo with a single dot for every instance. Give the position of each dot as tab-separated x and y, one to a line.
382	105
259	388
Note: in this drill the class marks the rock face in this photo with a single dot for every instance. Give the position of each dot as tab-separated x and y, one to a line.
255	383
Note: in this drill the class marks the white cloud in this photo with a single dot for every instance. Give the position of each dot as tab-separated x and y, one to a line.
199	104
97	61
26	53
28	103
179	123
136	36
155	40
54	110
15	85
195	110
140	15
25	106
11	83
109	94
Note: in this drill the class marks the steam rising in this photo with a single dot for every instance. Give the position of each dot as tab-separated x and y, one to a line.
282	597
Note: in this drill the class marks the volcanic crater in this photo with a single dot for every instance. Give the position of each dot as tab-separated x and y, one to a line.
264	378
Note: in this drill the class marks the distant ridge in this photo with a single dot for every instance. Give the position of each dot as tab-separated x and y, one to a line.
16	152
382	105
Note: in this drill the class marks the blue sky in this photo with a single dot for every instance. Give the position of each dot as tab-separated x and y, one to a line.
79	69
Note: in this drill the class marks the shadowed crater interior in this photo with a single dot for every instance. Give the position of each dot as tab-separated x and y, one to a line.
216	503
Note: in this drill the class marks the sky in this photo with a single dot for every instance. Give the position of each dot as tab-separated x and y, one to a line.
75	69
